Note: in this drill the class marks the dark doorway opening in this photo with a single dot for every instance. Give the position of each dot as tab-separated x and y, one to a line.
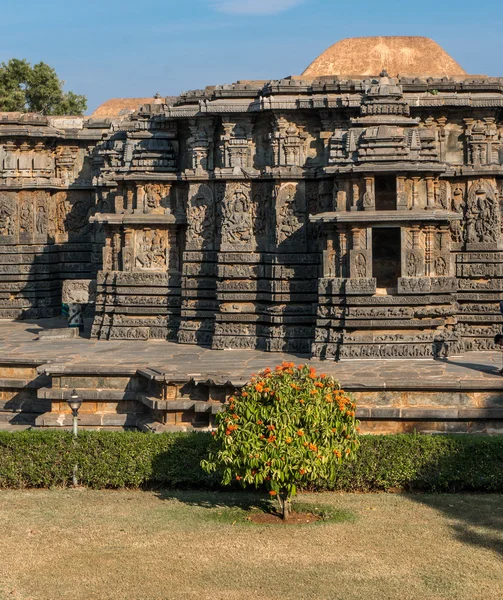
385	192
386	256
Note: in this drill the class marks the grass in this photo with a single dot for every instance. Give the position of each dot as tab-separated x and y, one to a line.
83	544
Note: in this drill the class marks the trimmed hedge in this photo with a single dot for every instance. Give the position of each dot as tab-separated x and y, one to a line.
135	460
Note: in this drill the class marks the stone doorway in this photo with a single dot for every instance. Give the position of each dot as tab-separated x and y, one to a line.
386	256
385	192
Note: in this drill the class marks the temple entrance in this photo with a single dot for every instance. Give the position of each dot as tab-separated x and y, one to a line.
386	256
385	192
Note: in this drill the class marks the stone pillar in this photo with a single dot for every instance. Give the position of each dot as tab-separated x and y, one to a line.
369	195
415	193
355	194
329	254
430	193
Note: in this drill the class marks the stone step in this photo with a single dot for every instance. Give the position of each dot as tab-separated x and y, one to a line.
59	333
89	394
31	405
197	406
87	420
18	418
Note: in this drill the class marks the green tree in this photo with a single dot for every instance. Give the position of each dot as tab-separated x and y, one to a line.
38	89
287	428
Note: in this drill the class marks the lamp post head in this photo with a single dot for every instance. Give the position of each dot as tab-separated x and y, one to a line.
75	402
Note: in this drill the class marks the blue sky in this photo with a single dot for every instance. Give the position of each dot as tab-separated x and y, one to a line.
120	48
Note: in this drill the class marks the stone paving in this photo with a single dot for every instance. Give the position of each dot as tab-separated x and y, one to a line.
19	340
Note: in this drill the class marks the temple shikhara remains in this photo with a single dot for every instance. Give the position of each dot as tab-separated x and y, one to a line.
353	211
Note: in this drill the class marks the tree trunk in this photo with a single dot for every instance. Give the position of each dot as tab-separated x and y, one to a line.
284	503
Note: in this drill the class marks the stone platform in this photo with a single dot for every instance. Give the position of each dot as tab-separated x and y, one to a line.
158	385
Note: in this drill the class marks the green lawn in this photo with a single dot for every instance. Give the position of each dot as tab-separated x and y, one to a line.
82	544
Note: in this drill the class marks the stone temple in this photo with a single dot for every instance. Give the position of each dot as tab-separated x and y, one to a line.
351	212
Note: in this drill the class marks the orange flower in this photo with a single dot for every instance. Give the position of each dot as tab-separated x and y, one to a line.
272	493
300	367
313	392
337	453
313	448
323	375
288	440
259	387
318	384
348	450
238	478
271	439
213	433
267	370
271	427
267	389
235	416
301	401
244	394
228	432
300	432
305	444
262	436
334	430
260	422
302	471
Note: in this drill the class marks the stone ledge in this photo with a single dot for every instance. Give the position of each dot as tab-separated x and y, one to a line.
88	394
428	414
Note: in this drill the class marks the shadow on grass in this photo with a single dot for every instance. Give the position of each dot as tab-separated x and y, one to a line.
243	500
476	520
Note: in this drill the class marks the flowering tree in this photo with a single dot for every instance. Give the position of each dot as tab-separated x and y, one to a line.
286	428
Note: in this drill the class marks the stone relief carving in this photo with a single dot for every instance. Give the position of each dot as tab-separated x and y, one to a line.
201	217
7	215
236	215
290	216
26	215
151	250
361	265
483	220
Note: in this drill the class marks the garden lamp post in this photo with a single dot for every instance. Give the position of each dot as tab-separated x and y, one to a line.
75	402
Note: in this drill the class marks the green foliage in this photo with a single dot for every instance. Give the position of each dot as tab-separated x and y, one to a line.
438	463
287	428
25	88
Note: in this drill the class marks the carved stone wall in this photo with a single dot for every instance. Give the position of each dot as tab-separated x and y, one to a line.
245	216
46	200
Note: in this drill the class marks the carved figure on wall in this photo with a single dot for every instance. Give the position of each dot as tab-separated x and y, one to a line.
40	220
457	230
444	195
26	217
441	266
483	221
289	218
201	217
156	197
151	250
236	218
411	266
7	210
259	215
360	265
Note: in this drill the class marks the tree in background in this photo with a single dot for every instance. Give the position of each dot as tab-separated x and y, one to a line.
287	428
37	89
